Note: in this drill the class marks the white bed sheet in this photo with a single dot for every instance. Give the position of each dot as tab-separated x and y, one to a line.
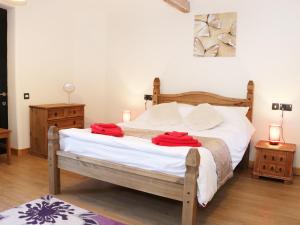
141	153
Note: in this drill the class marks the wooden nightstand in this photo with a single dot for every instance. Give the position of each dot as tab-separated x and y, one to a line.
274	161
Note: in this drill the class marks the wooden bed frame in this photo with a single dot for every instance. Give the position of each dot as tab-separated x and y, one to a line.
169	186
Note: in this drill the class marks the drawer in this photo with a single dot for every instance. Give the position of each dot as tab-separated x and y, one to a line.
267	169
281	157
263	168
273	157
280	170
272	169
67	123
74	112
56	114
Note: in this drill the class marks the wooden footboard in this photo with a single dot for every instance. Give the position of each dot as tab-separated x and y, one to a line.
169	186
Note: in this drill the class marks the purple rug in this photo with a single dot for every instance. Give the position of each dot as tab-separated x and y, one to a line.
49	210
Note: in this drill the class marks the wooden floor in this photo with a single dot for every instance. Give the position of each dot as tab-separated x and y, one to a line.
242	201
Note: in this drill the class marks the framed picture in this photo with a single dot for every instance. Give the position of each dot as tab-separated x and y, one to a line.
215	35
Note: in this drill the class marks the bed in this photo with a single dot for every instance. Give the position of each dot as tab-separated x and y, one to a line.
182	188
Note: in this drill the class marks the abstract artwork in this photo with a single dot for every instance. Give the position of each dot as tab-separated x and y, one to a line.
215	35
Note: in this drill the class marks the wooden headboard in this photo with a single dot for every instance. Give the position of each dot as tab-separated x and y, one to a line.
198	97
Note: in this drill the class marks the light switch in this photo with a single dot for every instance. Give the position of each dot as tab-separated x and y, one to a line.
26	96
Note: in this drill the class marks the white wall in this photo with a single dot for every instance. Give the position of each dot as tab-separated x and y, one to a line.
149	38
56	42
113	58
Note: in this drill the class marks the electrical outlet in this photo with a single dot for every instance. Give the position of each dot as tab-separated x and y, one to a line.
286	107
148	97
275	106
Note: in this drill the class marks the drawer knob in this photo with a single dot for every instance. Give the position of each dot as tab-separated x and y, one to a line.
273	158
281	159
74	111
264	167
280	169
56	125
74	122
272	168
55	114
265	156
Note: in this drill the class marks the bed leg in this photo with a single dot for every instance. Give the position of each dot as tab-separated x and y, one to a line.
54	171
190	203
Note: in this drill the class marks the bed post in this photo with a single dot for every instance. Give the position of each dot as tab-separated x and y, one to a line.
54	172
190	203
250	97
156	91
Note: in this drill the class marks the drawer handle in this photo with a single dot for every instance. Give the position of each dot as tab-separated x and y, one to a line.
272	168
273	158
264	167
280	169
74	122
281	159
55	114
265	156
56	125
74	111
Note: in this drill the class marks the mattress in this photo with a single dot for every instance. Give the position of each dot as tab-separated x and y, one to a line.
141	153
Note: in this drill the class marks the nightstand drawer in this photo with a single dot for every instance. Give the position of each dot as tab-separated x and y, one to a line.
67	123
263	167
56	114
280	170
273	157
272	169
75	112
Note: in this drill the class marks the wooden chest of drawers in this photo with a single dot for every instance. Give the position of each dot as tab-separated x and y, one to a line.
43	116
274	161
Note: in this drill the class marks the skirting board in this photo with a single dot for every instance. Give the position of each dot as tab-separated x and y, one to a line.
20	152
296	170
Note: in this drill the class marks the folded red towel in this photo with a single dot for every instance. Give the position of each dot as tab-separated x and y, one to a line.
107	129
106	125
193	143
176	139
176	134
171	138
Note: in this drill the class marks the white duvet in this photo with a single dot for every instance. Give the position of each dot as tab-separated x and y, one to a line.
141	153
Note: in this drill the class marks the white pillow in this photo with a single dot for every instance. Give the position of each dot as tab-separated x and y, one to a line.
232	113
203	117
185	109
164	114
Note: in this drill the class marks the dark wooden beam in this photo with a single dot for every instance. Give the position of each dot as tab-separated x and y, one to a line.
182	5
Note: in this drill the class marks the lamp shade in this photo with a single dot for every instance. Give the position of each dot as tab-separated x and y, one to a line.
274	134
126	115
69	88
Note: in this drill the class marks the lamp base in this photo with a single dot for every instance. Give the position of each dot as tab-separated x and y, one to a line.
274	142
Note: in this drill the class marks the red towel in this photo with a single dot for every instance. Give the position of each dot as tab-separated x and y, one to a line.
106	125
107	129
176	134
176	139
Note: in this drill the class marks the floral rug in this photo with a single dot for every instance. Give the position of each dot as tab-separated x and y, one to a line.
49	210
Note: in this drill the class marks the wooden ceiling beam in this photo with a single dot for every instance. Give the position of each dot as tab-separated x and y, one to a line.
182	5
